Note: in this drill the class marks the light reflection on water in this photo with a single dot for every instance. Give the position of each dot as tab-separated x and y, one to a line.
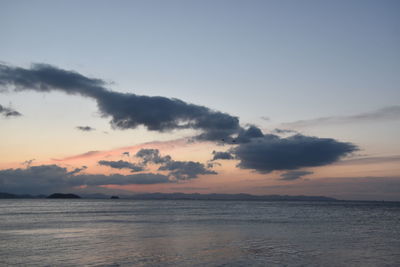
198	233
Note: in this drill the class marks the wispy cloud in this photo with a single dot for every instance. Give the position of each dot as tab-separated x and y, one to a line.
294	175
124	151
265	118
386	113
85	128
9	112
80	156
28	163
121	164
357	188
369	160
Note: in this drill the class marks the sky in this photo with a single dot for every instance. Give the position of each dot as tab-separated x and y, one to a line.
259	97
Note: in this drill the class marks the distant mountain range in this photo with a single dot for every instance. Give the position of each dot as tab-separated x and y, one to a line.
8	195
183	196
197	196
60	195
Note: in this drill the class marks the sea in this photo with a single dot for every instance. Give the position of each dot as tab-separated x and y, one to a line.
118	232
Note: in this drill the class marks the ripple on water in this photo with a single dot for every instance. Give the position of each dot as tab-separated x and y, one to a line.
197	233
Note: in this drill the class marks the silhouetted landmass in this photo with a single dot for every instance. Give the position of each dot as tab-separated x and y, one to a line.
8	195
182	196
95	196
60	195
197	196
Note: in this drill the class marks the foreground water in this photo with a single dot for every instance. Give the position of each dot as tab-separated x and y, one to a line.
55	232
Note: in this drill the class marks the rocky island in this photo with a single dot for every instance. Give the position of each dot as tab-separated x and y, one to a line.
60	195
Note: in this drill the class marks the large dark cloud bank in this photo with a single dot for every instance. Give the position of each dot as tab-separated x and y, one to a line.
50	178
249	145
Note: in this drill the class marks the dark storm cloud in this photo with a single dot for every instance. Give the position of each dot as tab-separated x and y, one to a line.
125	109
163	114
294	175
180	170
35	179
386	113
271	152
85	128
246	135
148	155
77	170
254	150
183	170
222	155
120	164
46	78
51	178
9	112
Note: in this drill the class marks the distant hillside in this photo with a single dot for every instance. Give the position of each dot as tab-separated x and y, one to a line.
196	196
60	195
8	195
183	196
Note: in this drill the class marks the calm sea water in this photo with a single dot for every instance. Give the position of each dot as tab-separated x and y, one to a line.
198	233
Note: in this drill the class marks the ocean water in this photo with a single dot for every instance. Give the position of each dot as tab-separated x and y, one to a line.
78	232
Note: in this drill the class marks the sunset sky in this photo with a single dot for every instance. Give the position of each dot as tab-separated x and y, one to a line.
260	97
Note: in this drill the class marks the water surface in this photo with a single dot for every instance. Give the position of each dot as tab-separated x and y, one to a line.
79	232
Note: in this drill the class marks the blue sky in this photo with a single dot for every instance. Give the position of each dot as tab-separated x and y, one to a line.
285	60
270	57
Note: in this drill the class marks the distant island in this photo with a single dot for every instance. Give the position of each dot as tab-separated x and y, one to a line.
60	195
9	195
176	196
